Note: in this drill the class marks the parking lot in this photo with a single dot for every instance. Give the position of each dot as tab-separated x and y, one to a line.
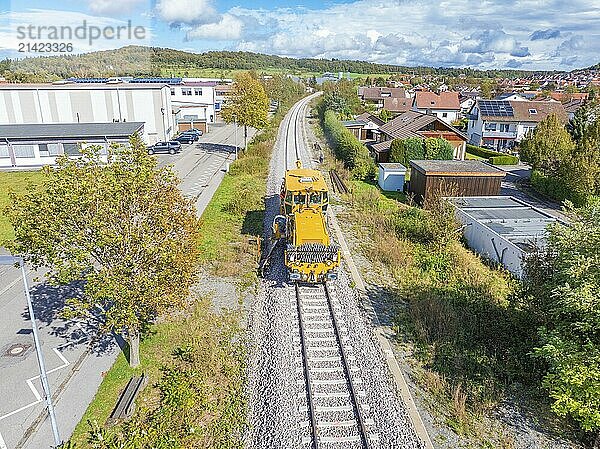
202	164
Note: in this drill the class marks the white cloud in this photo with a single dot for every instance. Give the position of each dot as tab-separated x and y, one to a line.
37	25
228	28
111	7
187	11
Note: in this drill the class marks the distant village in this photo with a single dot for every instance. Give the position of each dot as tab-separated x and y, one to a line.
493	116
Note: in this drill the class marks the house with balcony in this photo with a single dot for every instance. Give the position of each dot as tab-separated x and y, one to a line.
501	124
445	105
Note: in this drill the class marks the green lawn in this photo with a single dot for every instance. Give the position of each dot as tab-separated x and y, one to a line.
469	156
16	182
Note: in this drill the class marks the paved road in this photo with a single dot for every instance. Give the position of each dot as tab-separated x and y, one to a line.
75	363
202	165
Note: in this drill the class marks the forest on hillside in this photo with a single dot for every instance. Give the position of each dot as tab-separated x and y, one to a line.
146	61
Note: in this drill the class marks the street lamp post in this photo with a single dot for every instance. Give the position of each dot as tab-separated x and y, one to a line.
10	260
236	145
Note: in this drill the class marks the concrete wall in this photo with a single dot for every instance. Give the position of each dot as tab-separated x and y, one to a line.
491	245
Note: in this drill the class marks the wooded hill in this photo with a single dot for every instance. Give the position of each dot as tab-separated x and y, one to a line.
144	61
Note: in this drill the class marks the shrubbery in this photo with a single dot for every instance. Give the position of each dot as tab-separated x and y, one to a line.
415	148
481	152
347	148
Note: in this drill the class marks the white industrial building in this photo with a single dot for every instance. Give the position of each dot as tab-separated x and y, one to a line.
92	102
194	104
502	228
31	146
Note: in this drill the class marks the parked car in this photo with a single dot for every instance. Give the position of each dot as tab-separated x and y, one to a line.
186	138
194	131
171	147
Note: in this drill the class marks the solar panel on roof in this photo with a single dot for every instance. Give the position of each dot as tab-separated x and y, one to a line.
496	108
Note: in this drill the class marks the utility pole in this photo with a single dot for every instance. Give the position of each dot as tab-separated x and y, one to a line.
10	260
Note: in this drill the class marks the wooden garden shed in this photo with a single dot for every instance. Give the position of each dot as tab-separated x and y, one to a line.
453	178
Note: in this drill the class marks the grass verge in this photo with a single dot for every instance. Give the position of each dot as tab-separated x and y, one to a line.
15	181
233	220
210	353
461	321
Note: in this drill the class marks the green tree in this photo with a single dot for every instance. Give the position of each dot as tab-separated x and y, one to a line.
486	89
563	284
406	150
123	227
248	105
385	115
342	98
437	148
547	146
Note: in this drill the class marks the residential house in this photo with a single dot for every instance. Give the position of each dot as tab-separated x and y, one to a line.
394	99
365	127
444	106
572	106
500	124
511	96
466	102
416	124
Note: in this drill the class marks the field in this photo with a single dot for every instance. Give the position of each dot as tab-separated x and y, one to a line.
15	182
228	73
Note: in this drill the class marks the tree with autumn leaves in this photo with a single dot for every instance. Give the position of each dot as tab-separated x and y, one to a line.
248	104
121	226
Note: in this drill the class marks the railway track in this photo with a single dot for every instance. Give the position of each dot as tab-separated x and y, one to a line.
337	183
338	416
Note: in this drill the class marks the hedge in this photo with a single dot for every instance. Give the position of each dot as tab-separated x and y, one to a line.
493	157
505	159
347	147
482	152
416	148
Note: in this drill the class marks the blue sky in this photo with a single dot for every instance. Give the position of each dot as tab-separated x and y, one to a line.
527	34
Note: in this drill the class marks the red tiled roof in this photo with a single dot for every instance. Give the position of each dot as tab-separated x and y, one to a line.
431	100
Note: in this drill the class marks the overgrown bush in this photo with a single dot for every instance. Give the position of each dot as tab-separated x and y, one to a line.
556	188
346	147
436	148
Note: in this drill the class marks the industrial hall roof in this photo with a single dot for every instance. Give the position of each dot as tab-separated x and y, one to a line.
30	131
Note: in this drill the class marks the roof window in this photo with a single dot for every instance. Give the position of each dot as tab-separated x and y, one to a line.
533	111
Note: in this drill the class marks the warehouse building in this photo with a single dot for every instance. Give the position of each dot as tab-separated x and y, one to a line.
90	102
502	228
453	178
29	146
